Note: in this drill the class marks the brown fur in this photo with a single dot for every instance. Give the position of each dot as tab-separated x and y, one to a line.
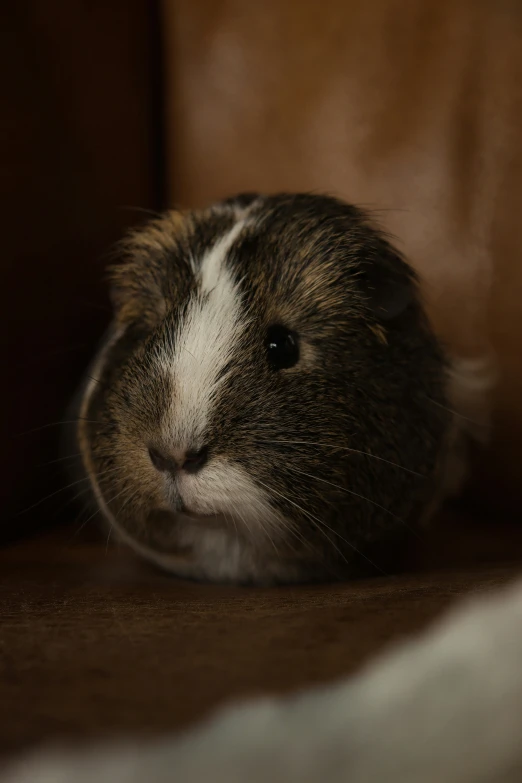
347	442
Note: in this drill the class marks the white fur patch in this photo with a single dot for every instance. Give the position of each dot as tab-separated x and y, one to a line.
224	488
202	346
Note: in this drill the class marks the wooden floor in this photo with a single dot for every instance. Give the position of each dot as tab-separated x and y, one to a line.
93	643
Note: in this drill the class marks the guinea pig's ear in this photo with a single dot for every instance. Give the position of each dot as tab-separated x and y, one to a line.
388	284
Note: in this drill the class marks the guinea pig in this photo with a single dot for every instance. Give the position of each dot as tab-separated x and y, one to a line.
270	401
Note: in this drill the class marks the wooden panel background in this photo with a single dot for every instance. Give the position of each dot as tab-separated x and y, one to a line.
412	109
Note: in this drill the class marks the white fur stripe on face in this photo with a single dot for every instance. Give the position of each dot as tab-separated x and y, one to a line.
203	345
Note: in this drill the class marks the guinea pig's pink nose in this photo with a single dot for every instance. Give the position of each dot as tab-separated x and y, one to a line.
190	461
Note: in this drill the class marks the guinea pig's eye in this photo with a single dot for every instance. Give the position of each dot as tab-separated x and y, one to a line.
282	347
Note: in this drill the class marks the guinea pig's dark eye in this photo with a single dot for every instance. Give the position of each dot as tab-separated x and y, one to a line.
282	347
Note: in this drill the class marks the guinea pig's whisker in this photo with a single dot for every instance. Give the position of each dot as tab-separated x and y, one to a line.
150	212
71	500
106	471
346	448
249	528
82	525
308	545
356	494
84	522
55	424
123	491
322	527
281	521
108	539
91	516
288	527
243	520
129	499
344	489
60	459
300	538
229	518
453	412
83	491
265	532
57	492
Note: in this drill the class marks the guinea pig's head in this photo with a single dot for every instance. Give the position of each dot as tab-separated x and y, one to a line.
269	402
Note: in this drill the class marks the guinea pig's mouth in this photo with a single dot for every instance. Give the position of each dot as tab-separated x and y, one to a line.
166	518
164	528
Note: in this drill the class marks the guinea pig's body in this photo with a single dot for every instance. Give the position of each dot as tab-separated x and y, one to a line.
270	401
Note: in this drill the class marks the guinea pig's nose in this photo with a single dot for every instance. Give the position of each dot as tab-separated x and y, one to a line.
190	461
194	460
